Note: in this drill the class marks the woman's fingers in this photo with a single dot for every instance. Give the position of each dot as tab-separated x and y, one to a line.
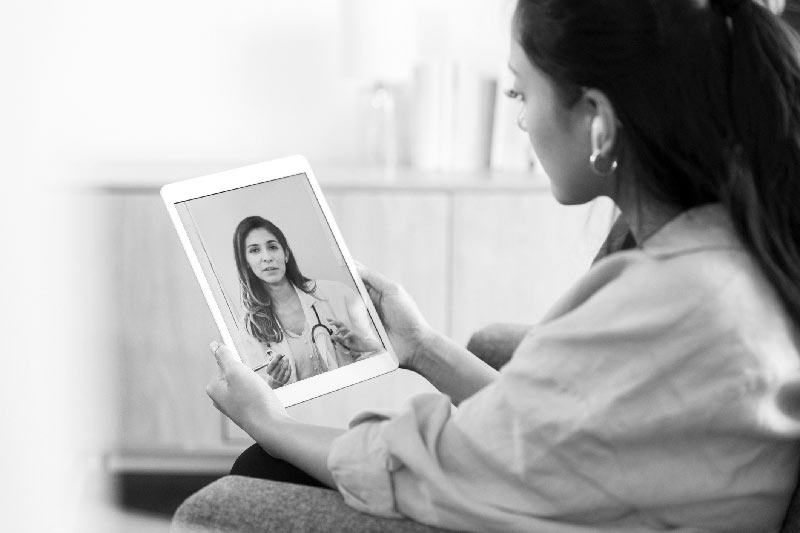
378	288
372	279
343	336
336	323
273	364
242	395
216	405
216	386
279	375
280	369
222	354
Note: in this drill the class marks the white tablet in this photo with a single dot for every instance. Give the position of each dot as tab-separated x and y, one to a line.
278	278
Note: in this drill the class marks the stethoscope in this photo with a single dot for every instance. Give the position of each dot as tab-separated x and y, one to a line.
319	324
325	330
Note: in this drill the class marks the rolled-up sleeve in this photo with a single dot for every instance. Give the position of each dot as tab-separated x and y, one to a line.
364	459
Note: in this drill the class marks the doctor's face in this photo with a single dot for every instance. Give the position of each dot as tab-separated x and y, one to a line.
265	256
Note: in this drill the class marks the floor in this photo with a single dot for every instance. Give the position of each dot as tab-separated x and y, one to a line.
122	521
134	503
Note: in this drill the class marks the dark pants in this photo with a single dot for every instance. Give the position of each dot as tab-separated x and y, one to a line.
255	462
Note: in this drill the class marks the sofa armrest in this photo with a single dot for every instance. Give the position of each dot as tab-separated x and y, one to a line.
495	343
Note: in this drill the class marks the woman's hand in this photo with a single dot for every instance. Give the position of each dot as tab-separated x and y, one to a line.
279	370
408	331
241	395
351	340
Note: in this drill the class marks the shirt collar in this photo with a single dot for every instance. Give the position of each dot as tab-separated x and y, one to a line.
306	299
699	228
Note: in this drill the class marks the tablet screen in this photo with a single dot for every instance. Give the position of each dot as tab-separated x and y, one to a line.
280	280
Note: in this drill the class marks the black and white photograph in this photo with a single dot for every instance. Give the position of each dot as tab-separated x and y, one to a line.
493	266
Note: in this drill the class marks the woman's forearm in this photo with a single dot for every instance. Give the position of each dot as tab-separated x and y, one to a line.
306	446
452	369
449	367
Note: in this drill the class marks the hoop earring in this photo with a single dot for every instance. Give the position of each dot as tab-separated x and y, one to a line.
593	164
522	122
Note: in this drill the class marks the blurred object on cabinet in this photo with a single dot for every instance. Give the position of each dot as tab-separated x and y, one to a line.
452	117
378	52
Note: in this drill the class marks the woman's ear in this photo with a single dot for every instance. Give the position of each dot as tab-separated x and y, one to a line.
603	129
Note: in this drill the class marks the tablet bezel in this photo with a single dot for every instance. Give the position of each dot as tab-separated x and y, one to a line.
220	182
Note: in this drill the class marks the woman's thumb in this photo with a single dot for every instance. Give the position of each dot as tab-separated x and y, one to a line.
372	278
221	354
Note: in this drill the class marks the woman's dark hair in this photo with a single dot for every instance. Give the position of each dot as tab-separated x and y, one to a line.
259	315
708	96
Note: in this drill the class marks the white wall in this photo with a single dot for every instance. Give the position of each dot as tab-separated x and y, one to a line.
165	81
189	80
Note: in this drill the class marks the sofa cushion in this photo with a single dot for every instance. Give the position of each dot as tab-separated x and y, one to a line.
792	522
239	504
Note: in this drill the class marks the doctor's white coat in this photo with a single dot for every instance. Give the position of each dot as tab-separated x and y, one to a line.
331	299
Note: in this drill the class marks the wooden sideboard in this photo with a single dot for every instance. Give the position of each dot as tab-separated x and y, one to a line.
470	251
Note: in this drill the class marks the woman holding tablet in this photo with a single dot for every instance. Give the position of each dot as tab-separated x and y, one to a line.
661	392
296	327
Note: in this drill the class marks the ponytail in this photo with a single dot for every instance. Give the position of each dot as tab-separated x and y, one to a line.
708	97
762	186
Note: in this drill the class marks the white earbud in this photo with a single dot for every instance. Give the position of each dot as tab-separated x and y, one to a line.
598	136
598	133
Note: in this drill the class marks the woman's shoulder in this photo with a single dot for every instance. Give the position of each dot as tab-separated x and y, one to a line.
714	300
699	258
696	259
702	273
725	282
695	277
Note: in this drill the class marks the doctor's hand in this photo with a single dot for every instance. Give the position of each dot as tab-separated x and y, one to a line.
351	340
279	370
241	395
408	330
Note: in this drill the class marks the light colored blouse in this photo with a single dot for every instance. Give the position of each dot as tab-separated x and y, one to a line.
330	300
644	401
307	361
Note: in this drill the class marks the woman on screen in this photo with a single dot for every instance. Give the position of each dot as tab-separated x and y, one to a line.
295	327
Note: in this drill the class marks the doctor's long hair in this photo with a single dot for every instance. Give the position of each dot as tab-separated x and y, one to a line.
707	93
259	313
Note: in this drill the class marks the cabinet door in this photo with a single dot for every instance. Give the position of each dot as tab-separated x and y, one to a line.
164	327
403	235
515	253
